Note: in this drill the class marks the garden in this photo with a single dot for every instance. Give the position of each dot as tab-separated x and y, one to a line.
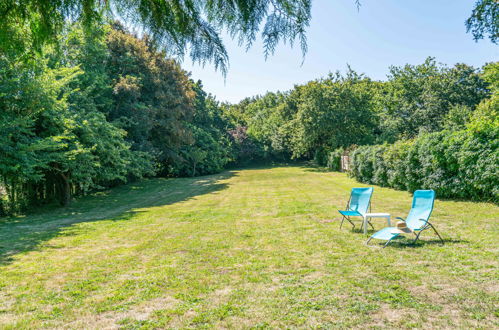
133	197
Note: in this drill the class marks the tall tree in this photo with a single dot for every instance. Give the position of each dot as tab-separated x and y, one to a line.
152	96
332	113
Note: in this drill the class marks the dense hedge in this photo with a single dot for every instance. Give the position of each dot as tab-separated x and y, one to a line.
461	164
334	159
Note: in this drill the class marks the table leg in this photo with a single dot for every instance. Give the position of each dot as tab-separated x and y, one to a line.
388	220
365	225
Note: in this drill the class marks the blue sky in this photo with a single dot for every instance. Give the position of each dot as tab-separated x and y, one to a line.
380	34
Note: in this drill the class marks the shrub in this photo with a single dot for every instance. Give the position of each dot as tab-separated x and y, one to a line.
320	156
334	159
460	164
380	168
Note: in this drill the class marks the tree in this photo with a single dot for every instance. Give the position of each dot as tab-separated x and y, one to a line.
152	97
268	116
210	150
54	141
417	98
332	113
484	20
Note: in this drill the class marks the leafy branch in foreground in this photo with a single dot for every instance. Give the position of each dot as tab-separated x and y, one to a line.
182	27
484	20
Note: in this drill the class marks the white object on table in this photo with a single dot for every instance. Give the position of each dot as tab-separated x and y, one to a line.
375	215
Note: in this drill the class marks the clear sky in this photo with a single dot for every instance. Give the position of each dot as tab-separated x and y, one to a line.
380	34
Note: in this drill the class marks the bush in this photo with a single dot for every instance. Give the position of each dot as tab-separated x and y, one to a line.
396	161
460	164
320	157
333	162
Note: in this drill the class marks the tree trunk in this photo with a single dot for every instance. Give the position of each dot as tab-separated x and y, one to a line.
65	197
194	170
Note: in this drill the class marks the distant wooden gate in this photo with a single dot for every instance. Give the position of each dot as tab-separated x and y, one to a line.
345	163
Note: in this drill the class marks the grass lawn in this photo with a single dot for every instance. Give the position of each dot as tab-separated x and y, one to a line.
255	248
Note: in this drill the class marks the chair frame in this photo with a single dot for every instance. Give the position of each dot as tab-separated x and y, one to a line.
428	225
348	217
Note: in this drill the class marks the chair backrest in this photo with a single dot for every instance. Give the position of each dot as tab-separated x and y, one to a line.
422	205
360	199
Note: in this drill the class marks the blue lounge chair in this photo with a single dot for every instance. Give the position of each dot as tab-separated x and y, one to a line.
417	220
358	204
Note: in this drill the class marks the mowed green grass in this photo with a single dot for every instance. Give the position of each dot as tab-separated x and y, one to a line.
247	248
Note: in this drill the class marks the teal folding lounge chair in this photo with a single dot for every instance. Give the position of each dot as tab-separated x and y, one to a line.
417	220
358	204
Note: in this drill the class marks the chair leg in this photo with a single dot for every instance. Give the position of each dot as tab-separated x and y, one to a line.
384	246
370	224
347	219
428	226
436	232
417	236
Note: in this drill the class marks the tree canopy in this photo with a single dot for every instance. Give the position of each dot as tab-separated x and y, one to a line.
344	110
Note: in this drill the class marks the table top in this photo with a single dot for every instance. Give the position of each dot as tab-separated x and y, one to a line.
377	214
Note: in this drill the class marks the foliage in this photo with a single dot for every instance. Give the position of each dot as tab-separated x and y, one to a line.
180	26
335	112
211	149
152	97
418	98
334	159
103	109
51	148
246	149
456	163
189	26
268	120
484	20
459	164
313	119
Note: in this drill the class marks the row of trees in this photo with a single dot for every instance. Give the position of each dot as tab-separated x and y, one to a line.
341	111
87	105
100	108
104	107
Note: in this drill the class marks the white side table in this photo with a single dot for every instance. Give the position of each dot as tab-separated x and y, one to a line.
375	215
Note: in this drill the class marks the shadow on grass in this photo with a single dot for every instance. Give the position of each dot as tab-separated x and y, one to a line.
404	243
310	168
26	233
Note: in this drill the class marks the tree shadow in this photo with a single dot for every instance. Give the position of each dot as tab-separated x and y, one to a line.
265	165
27	233
307	167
